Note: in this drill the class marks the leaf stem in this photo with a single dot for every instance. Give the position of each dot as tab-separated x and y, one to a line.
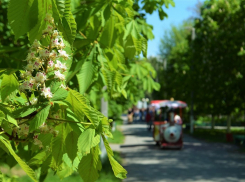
69	121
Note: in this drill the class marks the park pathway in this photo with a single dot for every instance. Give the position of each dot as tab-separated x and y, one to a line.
198	161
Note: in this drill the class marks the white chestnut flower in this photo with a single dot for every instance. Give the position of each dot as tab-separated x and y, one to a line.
58	65
46	92
53	54
62	45
22	75
26	85
40	77
43	53
63	54
32	81
49	29
36	65
49	18
63	67
55	42
63	86
38	143
24	130
55	33
59	75
34	101
31	55
35	44
28	73
29	67
44	128
51	64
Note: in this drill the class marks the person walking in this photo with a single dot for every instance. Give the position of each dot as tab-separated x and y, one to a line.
148	119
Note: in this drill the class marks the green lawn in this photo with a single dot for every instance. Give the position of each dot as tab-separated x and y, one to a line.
118	137
216	135
106	174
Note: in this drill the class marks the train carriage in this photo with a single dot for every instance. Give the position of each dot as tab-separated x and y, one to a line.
167	132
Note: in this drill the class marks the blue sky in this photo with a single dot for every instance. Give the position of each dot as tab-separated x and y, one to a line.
176	15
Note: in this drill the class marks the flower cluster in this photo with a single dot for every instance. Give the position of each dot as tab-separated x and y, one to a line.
44	63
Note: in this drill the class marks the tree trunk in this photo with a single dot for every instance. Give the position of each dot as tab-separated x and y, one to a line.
229	123
212	122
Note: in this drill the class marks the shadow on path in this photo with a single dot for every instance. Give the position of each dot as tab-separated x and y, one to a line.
197	161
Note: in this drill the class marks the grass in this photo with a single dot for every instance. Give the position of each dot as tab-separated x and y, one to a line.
216	135
118	137
106	174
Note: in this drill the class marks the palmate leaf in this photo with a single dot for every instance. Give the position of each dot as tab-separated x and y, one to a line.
71	142
39	158
69	23
86	73
108	36
118	170
85	141
43	9
81	108
24	166
90	165
8	114
22	16
64	18
60	94
25	111
9	85
58	145
40	118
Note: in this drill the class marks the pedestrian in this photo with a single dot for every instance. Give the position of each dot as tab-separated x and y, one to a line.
148	119
130	116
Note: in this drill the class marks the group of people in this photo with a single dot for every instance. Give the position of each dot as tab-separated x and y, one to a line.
152	114
135	114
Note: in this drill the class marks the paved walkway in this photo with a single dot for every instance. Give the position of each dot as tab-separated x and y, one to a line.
198	161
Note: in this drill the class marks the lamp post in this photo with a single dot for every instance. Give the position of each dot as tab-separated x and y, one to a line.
193	36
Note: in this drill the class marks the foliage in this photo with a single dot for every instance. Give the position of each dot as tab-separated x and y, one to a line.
212	65
66	56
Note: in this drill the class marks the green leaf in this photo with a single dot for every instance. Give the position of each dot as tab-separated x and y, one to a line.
71	145
24	166
81	108
25	111
43	9
86	73
66	22
22	16
9	85
2	117
39	158
108	36
85	141
60	94
9	116
130	49
40	118
90	165
58	144
118	170
45	166
11	120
